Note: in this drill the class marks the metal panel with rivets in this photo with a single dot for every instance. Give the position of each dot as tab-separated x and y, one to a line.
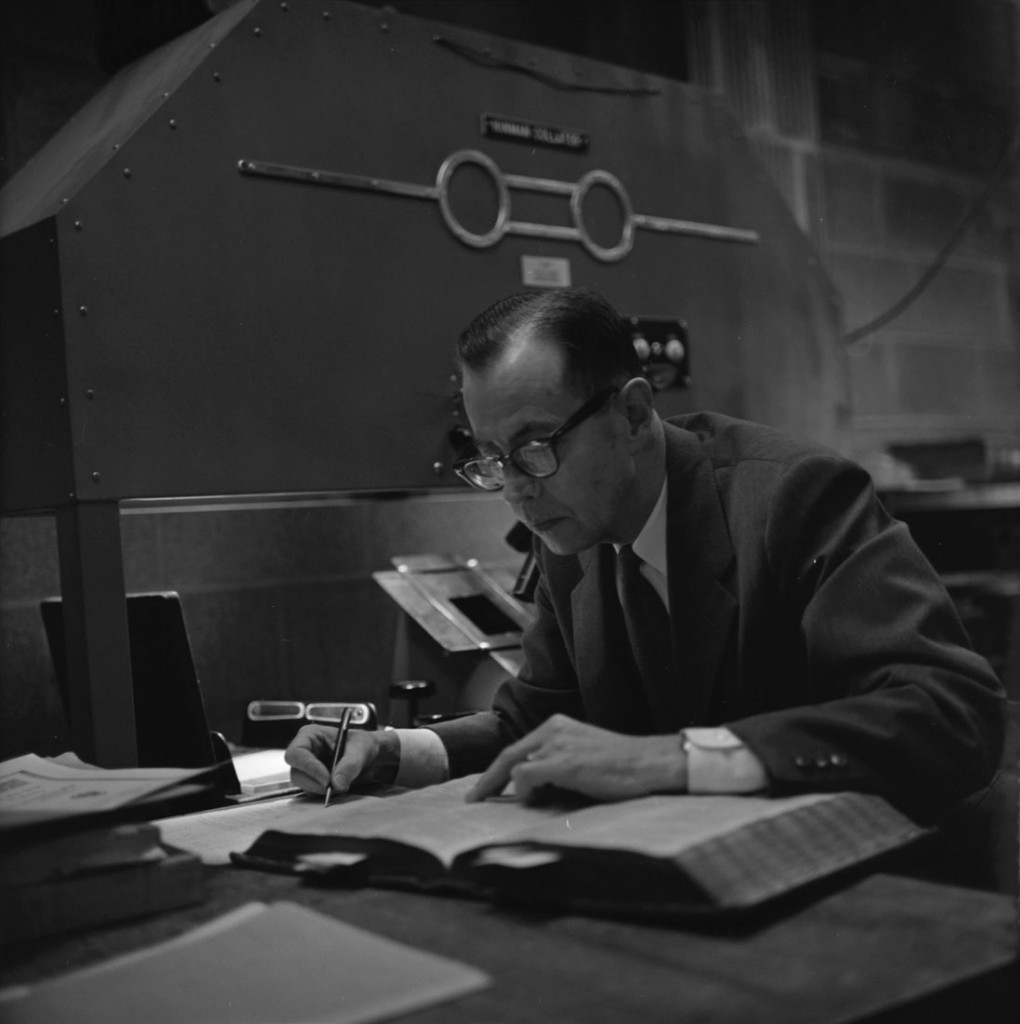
241	268
270	232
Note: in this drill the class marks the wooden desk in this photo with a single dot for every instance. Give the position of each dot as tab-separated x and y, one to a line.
884	948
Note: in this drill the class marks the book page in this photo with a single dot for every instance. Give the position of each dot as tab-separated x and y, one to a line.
436	819
214	835
664	825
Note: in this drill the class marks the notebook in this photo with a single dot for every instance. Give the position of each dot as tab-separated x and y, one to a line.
260	964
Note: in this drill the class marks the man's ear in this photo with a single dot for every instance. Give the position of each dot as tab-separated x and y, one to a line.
638	405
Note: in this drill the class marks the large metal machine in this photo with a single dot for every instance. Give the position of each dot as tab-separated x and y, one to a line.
241	268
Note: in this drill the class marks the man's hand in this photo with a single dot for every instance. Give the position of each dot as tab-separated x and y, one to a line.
583	758
369	756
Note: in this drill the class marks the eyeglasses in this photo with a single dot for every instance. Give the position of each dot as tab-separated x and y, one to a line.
536	458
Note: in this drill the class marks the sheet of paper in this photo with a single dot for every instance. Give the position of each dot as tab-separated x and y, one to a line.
33	787
257	965
214	835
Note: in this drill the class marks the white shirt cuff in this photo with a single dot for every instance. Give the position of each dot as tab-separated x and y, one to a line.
423	759
718	762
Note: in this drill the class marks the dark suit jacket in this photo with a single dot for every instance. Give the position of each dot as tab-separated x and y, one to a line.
803	617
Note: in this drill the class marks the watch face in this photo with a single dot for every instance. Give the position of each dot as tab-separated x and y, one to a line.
713	739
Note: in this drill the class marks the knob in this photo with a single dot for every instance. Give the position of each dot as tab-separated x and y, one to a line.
411	691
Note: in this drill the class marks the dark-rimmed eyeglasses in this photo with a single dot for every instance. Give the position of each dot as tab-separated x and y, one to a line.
535	458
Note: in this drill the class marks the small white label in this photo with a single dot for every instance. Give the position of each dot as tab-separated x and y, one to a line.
545	272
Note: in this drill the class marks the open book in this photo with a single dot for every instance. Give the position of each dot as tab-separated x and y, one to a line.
657	855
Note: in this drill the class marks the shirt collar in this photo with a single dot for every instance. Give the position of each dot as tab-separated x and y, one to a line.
650	543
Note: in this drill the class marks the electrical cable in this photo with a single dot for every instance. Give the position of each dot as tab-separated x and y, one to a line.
486	59
969	216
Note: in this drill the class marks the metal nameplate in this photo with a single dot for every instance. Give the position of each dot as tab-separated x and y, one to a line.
533	133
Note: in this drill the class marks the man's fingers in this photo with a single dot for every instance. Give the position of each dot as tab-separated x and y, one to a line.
308	755
304	764
494	779
348	768
306	782
492	782
526	763
532	778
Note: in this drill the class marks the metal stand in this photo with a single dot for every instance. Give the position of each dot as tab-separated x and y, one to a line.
99	691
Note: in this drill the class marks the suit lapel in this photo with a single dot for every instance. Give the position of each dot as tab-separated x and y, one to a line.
699	556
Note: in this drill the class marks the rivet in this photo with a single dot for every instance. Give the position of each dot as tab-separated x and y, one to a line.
172	122
285	6
90	394
127	172
384	27
257	31
326	15
116	146
83	310
166	95
56	312
95	476
63	400
78	225
216	77
70	495
437	468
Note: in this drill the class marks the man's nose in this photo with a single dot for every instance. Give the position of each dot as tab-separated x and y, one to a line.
517	485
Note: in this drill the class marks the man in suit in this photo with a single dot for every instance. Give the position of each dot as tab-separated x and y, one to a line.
720	607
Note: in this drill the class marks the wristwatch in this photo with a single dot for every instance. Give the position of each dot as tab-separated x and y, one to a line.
717	740
719	762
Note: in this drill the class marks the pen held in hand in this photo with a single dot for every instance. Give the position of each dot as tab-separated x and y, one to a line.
342	728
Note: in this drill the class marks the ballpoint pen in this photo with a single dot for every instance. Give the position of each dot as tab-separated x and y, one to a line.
342	728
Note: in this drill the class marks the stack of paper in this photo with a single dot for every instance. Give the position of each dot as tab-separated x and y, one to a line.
68	857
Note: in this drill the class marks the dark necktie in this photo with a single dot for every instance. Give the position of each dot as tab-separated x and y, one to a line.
647	622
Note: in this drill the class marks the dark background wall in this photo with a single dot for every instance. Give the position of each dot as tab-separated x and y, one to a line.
880	123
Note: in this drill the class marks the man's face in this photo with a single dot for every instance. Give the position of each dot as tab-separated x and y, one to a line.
521	397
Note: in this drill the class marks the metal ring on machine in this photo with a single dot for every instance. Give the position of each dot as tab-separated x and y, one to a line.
577	196
446	171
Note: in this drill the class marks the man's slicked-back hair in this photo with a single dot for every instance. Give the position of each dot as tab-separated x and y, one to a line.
593	337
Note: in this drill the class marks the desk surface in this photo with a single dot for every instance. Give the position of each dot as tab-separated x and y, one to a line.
875	944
